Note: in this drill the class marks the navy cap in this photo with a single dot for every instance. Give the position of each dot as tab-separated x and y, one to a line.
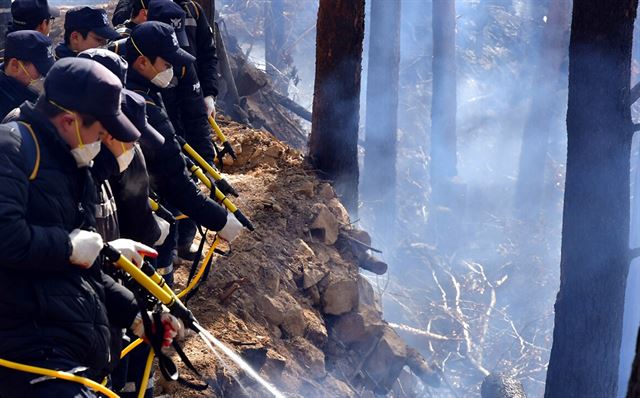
157	39
30	46
134	106
84	86
91	19
172	14
27	14
112	61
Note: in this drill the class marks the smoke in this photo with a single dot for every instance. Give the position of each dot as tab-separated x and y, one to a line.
493	297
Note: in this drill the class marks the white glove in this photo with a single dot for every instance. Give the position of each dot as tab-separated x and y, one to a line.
132	250
231	229
210	104
164	229
85	246
172	326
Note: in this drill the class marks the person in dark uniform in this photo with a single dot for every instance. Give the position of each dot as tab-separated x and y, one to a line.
202	45
152	52
28	59
56	306
32	15
186	108
138	15
85	28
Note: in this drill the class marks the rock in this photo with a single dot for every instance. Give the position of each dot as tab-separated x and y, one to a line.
270	280
386	361
306	188
312	274
358	326
339	211
421	368
340	296
275	151
324	225
367	296
310	357
303	249
314	294
272	309
315	330
256	357
249	80
326	192
274	364
294	320
338	388
497	385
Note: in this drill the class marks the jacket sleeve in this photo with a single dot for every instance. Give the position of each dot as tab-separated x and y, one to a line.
206	53
120	303
24	246
195	121
171	180
131	190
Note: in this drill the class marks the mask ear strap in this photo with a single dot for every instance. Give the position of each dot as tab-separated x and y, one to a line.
75	120
25	71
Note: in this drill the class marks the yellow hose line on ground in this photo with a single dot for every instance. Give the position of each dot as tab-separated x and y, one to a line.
145	375
58	374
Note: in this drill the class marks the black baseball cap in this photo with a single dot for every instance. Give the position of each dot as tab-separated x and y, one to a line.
172	14
109	59
85	86
91	19
30	46
134	106
27	14
157	39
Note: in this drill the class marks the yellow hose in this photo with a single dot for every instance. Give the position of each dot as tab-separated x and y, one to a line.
130	348
145	375
58	374
198	276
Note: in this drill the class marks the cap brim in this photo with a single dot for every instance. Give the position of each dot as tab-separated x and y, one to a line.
44	66
120	127
54	11
106	32
183	40
178	58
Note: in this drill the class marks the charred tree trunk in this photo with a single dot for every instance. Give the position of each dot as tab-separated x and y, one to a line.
379	174
333	144
443	108
446	198
535	139
595	234
634	381
274	40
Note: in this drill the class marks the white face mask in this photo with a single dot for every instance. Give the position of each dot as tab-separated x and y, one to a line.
124	160
37	85
84	154
163	78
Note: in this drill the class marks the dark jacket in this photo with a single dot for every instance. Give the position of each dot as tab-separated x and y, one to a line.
121	13
13	94
168	175
202	45
124	29
185	105
63	51
131	191
50	308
